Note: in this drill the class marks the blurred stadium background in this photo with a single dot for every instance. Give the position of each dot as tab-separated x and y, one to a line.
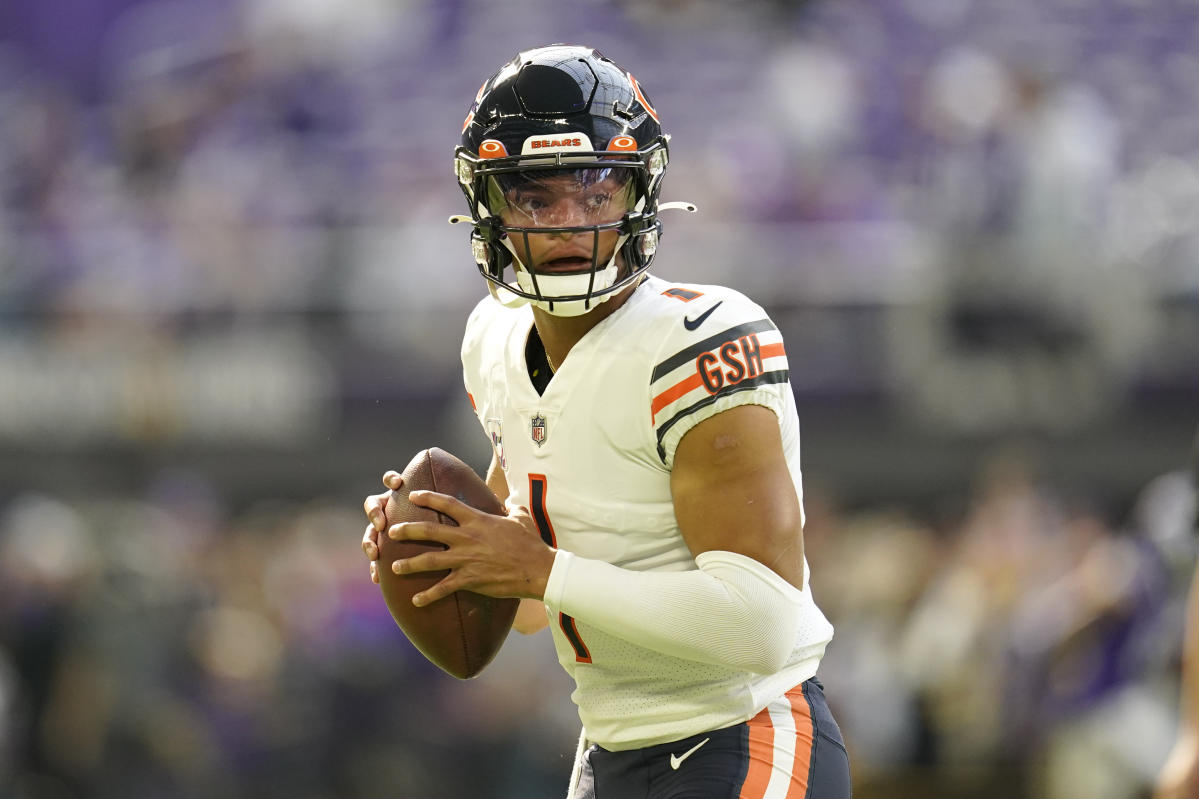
230	300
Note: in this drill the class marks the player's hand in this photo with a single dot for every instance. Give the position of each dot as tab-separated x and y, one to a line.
373	508
499	556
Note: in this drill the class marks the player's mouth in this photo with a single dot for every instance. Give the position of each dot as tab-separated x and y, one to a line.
565	264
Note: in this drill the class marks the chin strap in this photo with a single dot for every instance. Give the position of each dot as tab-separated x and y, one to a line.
505	297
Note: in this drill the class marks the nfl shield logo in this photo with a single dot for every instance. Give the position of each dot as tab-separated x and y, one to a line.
538	429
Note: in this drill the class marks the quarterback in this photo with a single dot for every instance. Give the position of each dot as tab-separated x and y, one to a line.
646	444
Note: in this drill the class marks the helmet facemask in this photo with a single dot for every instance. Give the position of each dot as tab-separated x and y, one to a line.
575	227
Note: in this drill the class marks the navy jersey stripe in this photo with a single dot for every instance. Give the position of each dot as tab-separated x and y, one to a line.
537	492
571	631
764	379
707	345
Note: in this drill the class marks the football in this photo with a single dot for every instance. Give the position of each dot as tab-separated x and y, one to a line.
462	632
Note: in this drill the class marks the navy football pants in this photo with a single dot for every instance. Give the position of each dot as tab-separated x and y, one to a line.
791	750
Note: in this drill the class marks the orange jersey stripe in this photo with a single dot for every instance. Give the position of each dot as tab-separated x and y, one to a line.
674	392
695	381
761	755
805	736
771	350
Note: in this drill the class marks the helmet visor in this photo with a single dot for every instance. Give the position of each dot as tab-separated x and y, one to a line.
561	198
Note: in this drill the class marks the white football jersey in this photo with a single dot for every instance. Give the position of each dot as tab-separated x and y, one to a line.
591	459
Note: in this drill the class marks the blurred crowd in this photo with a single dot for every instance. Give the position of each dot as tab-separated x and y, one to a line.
222	226
1020	176
1019	643
157	647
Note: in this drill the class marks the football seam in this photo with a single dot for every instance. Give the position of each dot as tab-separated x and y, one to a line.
457	604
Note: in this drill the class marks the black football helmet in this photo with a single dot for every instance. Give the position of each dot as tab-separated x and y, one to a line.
567	114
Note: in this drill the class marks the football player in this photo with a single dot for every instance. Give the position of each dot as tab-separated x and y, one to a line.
646	443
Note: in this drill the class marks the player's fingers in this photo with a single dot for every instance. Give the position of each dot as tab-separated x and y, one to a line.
455	508
425	562
373	506
444	588
370	542
421	531
393	479
375	572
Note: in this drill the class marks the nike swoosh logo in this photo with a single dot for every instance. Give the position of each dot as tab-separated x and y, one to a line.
677	760
691	324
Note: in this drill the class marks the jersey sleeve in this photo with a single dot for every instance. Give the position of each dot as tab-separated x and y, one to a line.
735	356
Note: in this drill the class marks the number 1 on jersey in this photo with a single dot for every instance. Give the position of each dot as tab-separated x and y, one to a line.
538	488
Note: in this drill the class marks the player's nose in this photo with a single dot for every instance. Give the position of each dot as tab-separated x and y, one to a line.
564	212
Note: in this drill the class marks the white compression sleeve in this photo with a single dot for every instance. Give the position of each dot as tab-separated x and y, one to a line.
732	612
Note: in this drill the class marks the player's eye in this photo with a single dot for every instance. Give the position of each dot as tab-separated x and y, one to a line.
598	201
528	204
